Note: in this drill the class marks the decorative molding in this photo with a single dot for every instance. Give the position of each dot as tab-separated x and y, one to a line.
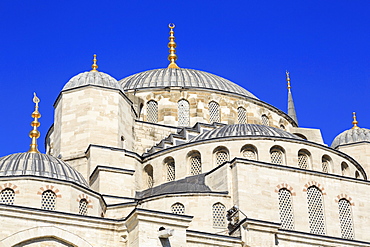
285	186
83	196
316	184
9	186
50	187
344	196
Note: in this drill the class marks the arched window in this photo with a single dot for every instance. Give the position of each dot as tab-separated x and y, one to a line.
265	120
303	159
183	112
48	200
170	167
315	210
286	209
221	155
282	127
148	169
214	112
345	169
242	115
195	163
325	163
219	215
249	152
345	218
7	196
277	155
152	111
178	208
357	174
82	207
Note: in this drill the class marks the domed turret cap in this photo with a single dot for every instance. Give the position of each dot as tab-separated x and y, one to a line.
94	78
39	165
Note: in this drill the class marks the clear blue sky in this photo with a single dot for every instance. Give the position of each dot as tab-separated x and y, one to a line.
324	44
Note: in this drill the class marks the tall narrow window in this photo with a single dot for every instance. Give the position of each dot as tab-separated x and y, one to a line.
214	112
249	152
195	163
325	163
265	120
221	155
178	208
82	207
48	199
7	196
184	112
345	169
315	210
286	209
149	176
219	215
170	166
152	111
303	159
357	174
242	115
345	218
277	156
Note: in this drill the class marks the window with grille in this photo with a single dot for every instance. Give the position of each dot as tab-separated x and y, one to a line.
265	120
149	176
286	209
7	196
325	165
219	215
249	154
345	218
152	111
195	164
221	157
302	160
315	210
214	112
170	170
48	199
242	115
178	208
276	156
184	112
82	207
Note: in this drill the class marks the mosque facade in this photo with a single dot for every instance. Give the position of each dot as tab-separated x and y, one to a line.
181	157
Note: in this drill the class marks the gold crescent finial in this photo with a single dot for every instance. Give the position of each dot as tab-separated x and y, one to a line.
354	122
94	66
288	79
34	134
172	45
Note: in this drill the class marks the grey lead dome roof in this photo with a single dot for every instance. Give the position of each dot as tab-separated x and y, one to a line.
240	130
94	78
351	136
39	165
186	78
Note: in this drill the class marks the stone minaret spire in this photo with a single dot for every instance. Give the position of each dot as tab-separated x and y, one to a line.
291	108
34	134
172	45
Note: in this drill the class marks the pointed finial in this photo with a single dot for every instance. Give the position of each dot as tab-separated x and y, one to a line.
354	122
94	66
34	134
172	45
288	78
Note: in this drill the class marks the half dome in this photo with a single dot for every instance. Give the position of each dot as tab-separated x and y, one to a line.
39	165
94	78
351	136
184	78
244	130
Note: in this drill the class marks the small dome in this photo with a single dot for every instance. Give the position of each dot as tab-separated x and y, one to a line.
94	78
39	165
241	130
351	136
184	78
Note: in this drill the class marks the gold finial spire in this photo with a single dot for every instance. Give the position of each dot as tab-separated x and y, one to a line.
354	122
94	66
288	78
34	134
172	45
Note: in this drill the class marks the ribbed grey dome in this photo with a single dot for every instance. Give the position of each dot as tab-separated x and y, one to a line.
92	78
185	78
239	130
351	136
39	165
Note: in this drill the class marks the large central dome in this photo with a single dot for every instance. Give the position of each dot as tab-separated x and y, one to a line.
183	78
